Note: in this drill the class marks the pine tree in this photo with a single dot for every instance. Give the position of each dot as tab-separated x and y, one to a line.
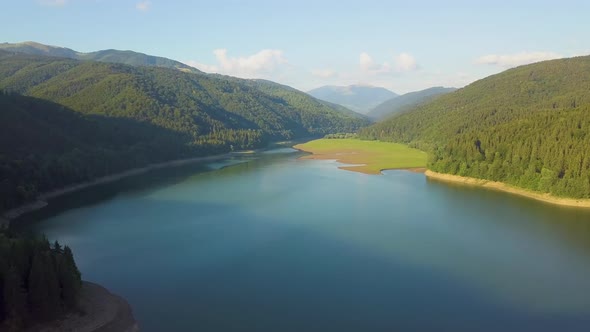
69	256
44	293
68	280
15	301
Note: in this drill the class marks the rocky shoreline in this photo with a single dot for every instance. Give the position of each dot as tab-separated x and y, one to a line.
99	311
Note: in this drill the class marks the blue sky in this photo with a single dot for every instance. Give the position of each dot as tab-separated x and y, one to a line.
401	45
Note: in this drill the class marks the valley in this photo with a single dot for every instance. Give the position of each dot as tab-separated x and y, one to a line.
294	166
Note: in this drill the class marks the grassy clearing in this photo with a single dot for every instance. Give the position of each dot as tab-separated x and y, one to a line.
371	156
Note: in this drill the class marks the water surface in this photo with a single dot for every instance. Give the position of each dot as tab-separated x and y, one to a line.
267	242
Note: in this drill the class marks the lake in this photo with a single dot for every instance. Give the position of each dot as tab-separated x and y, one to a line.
267	242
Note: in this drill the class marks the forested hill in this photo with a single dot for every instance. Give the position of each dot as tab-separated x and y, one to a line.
295	96
114	56
64	121
202	106
528	126
359	98
406	102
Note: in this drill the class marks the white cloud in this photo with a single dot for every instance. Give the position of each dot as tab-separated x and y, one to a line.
54	3
405	62
258	65
324	73
517	59
366	62
143	6
369	66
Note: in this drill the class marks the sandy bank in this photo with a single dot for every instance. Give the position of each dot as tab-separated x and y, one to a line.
99	311
42	198
548	198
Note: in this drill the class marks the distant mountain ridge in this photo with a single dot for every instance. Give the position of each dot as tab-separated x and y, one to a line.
406	102
359	98
268	86
112	56
134	59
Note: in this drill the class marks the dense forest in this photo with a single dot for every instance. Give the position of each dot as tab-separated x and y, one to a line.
64	121
38	282
528	126
44	146
406	102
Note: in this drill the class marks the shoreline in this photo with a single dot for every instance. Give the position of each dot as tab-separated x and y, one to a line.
41	200
99	310
359	160
355	167
363	171
500	186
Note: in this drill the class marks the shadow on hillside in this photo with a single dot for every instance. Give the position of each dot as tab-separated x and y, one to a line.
45	146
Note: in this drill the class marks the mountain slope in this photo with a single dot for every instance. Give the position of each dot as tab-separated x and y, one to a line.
279	90
527	127
344	110
195	104
89	119
44	146
113	56
406	102
358	98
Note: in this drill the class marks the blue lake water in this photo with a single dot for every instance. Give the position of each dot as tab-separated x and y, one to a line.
267	242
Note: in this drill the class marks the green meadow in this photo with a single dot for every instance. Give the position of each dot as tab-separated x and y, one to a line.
370	157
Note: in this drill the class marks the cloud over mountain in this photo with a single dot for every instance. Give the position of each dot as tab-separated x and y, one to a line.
516	59
260	64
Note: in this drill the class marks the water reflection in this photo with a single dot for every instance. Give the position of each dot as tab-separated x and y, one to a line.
279	244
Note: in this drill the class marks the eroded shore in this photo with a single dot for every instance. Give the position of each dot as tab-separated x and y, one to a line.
548	198
99	311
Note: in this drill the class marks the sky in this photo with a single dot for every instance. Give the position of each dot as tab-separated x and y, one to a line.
403	46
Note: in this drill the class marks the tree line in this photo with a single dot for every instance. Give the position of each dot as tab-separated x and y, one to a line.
39	281
528	127
64	121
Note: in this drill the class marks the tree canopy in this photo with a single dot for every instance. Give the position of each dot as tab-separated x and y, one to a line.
64	121
38	281
527	127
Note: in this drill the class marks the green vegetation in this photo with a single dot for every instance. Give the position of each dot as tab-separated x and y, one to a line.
113	56
372	156
526	127
39	282
57	147
341	135
344	110
80	120
406	102
358	98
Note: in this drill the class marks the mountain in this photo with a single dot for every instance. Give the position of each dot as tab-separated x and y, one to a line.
274	88
406	102
113	56
64	121
359	98
344	110
528	127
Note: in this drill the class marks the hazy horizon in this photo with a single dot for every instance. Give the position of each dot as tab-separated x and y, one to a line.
398	45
